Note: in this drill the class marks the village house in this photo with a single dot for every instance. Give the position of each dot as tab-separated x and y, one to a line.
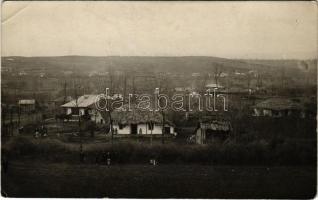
212	84
210	131
22	73
237	73
61	100
183	89
26	105
223	74
58	102
139	122
195	74
84	106
279	107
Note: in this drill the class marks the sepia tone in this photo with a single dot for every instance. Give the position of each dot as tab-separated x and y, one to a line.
158	99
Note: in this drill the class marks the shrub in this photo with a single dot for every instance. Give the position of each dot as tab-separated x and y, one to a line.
257	152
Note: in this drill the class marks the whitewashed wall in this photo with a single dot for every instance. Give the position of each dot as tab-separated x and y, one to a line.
125	130
68	111
200	136
267	112
96	117
81	111
144	129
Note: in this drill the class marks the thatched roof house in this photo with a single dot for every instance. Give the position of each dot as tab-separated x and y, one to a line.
137	121
278	107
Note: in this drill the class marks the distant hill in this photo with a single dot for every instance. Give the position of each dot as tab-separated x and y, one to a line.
187	64
284	63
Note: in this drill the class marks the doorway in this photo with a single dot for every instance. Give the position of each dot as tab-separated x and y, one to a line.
133	129
167	130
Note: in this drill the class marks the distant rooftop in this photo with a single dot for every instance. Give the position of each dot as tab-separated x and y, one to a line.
216	125
278	103
26	101
137	116
61	99
82	102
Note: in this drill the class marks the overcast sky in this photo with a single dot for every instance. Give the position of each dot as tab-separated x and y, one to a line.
263	30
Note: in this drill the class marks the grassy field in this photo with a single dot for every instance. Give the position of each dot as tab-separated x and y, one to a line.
39	179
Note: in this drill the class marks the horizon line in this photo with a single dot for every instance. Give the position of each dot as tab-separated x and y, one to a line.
171	56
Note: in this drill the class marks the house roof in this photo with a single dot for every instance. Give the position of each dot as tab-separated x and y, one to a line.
26	101
82	102
216	125
61	99
236	90
86	101
213	85
279	104
137	116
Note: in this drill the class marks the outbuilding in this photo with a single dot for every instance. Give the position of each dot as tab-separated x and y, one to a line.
26	105
279	107
210	131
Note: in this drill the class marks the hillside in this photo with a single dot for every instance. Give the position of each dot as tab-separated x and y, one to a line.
188	64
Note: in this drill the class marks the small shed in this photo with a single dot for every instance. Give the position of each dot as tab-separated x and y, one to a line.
26	105
210	131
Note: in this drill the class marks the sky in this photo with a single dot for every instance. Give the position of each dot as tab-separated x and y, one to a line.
257	30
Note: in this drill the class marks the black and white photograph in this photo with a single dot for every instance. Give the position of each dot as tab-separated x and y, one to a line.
159	99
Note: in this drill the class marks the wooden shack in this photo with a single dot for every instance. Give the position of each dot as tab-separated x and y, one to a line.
210	131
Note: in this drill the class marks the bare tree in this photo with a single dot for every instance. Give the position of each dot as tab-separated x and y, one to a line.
249	77
217	73
259	82
108	110
11	120
125	86
204	82
163	89
76	96
305	66
282	77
